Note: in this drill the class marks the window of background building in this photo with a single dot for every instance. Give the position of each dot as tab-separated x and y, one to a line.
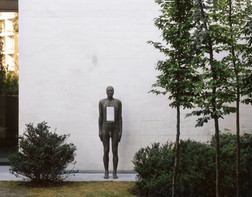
9	66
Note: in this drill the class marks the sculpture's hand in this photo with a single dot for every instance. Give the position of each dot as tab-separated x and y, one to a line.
100	135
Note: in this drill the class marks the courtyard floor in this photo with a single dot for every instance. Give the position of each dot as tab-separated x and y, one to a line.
5	175
79	184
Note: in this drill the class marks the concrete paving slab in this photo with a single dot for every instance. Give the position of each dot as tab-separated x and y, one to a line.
99	177
5	175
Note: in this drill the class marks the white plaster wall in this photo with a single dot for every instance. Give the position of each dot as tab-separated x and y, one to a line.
70	51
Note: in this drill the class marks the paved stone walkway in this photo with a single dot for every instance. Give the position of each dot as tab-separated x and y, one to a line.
5	175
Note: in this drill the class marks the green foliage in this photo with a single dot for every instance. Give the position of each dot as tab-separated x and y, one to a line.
196	177
2	70
236	17
178	74
43	155
222	26
247	91
208	39
196	169
8	79
228	164
11	83
154	165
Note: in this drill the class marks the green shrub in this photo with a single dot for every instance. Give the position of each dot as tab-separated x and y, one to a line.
246	165
196	171
11	83
196	175
43	155
154	166
228	164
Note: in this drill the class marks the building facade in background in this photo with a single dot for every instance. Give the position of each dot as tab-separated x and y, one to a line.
9	39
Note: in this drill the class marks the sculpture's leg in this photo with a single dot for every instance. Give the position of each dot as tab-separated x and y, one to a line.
106	156
115	156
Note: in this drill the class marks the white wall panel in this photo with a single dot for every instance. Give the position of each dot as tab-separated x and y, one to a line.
70	51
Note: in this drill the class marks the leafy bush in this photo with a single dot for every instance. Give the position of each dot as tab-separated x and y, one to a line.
11	83
43	155
196	171
246	165
154	165
228	164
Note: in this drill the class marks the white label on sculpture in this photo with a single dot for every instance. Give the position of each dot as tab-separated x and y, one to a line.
110	114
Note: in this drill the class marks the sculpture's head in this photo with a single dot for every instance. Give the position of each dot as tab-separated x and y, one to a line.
110	92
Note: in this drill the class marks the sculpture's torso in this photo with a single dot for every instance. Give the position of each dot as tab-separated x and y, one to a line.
107	104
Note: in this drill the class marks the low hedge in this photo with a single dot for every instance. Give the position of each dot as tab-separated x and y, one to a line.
196	172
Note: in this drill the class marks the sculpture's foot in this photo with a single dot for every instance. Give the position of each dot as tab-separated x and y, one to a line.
115	176
106	175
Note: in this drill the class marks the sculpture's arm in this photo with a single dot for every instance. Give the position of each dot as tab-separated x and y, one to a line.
120	121
100	120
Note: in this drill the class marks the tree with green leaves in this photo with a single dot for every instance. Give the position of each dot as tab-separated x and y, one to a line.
234	15
209	39
178	76
247	55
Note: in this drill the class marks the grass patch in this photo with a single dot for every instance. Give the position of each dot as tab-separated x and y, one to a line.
71	189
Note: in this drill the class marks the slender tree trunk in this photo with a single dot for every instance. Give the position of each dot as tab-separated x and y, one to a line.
237	105
216	124
217	156
213	101
238	144
175	170
216	120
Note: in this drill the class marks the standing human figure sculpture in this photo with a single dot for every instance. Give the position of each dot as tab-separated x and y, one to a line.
110	126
